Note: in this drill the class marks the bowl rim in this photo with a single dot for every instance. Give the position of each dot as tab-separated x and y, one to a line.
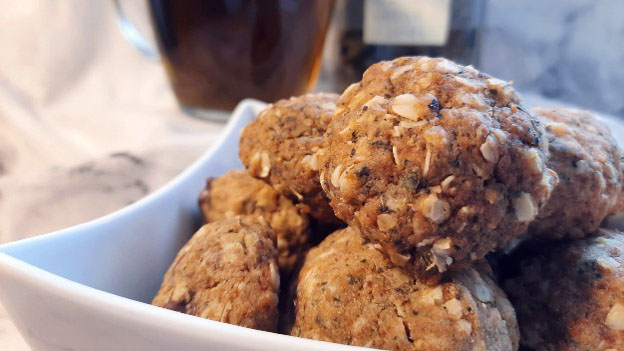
237	114
137	311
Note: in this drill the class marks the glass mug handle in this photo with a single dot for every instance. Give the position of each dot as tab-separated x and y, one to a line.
132	34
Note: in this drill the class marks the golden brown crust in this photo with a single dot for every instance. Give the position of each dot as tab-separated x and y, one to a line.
227	272
237	193
349	292
437	162
280	147
589	164
570	296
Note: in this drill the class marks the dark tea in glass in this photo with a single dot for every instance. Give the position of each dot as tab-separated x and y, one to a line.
217	52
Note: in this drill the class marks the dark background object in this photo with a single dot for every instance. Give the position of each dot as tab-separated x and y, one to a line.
219	52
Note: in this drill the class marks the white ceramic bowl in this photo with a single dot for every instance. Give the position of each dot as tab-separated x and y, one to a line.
89	287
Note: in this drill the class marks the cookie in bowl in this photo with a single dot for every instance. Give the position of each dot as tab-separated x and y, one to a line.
348	292
589	164
236	193
437	162
227	272
570	295
281	147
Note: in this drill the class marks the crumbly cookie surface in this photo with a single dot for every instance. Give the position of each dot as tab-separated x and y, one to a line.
349	292
589	164
437	162
281	146
237	193
227	272
570	296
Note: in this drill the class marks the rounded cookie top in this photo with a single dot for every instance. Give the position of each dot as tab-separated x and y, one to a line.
237	193
437	162
589	164
281	146
227	272
570	296
349	292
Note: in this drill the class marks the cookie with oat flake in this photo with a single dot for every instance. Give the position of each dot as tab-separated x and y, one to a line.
437	162
281	147
589	164
569	296
236	193
349	292
227	272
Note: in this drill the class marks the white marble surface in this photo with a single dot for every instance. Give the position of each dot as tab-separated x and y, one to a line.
571	50
87	125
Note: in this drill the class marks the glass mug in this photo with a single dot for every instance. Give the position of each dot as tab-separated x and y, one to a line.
218	52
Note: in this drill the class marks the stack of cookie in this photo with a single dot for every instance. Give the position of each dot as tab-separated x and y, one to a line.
420	170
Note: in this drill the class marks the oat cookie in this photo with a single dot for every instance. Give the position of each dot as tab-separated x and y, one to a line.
570	296
349	292
237	193
589	164
281	146
227	272
437	162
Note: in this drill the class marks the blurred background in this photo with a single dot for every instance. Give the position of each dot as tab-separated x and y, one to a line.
88	124
570	51
567	50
